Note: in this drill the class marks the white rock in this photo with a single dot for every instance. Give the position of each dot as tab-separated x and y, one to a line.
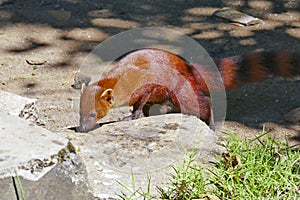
24	145
13	103
134	152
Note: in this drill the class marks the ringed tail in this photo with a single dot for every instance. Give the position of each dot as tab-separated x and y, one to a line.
258	66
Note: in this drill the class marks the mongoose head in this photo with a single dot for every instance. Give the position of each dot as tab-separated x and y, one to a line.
95	102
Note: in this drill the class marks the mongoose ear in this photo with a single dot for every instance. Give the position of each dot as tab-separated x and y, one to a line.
108	95
83	86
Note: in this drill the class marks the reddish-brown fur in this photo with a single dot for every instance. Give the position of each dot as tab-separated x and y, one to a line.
156	76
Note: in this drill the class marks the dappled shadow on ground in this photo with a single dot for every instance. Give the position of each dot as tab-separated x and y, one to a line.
62	33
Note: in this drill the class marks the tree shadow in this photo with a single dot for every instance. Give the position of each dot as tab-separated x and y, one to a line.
29	45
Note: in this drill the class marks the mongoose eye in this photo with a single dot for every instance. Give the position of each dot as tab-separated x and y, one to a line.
93	114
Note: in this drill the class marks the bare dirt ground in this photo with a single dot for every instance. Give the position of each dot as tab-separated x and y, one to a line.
43	44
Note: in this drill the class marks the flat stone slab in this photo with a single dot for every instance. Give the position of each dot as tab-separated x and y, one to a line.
47	165
22	144
56	184
13	103
141	148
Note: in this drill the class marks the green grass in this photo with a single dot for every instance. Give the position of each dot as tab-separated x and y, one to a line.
133	193
258	169
19	184
187	181
267	170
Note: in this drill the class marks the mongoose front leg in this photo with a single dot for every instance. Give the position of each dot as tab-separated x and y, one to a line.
138	107
151	94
